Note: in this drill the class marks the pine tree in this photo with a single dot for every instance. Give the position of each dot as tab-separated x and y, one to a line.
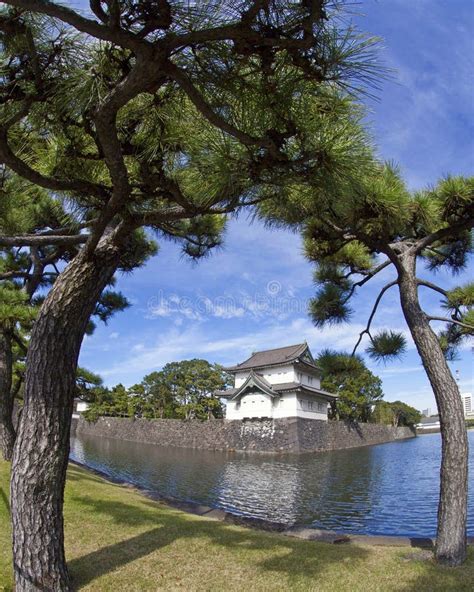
28	273
369	226
165	115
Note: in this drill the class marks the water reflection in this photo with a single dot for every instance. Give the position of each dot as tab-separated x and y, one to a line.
387	489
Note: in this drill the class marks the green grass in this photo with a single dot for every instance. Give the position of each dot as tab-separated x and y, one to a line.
117	540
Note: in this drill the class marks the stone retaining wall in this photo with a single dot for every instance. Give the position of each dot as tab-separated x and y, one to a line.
266	435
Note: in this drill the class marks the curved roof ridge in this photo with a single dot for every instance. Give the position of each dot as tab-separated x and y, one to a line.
257	380
270	357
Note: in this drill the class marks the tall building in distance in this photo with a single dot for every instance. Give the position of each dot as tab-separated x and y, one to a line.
467	402
468	405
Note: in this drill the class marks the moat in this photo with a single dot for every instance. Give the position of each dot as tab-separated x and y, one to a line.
385	489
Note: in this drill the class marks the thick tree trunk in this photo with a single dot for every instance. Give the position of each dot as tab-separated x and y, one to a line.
42	448
452	510
7	430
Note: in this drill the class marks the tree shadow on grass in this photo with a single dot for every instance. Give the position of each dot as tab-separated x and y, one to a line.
120	512
291	558
435	578
89	567
286	556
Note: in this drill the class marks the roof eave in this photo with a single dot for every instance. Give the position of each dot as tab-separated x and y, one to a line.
318	392
257	381
262	366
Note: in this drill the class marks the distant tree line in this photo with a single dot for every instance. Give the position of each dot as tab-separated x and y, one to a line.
185	390
182	390
360	394
396	414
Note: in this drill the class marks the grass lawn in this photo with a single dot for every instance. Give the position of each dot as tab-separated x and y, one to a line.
118	540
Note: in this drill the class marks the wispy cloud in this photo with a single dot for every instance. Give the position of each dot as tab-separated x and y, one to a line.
194	341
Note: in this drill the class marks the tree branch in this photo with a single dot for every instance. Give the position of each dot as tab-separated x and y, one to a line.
11	275
85	25
441	234
432	286
19	342
24	170
200	103
242	30
144	74
372	314
29	240
446	320
367	278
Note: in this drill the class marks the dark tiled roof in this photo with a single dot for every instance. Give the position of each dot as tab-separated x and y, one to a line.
271	357
227	393
291	386
279	388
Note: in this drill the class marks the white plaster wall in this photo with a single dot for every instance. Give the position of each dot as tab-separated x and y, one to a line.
256	405
307	379
231	411
277	375
289	405
286	407
318	411
251	405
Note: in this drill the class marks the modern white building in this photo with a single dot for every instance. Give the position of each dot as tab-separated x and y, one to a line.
468	405
429	424
277	383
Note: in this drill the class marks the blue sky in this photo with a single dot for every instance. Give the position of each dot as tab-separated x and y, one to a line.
252	294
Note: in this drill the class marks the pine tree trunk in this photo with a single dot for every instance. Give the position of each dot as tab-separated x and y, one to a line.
7	430
452	511
42	448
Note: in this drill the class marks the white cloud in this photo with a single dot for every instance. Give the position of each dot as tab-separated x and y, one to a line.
195	341
403	370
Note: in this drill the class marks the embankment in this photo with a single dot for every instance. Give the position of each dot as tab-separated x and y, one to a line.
259	435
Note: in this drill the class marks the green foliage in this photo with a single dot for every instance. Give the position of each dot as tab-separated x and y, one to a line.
159	398
86	382
452	255
180	390
461	296
468	319
357	387
137	249
14	307
329	307
175	154
387	345
460	304
104	401
455	196
109	303
192	383
353	227
404	414
450	339
396	414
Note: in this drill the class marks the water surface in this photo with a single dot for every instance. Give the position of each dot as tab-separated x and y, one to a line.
385	489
